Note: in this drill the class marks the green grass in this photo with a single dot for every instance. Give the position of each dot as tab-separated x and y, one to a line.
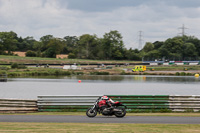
18	127
174	68
6	127
36	72
30	71
9	59
128	114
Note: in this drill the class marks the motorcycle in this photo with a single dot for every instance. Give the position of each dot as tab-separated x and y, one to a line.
102	107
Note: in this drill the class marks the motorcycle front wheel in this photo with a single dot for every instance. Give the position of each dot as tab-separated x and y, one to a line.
121	113
91	113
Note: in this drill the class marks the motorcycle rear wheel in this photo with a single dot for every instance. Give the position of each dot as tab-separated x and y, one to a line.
91	113
120	113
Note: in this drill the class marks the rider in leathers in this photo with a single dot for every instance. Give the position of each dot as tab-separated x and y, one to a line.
109	101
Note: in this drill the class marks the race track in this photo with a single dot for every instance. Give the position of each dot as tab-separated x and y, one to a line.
100	119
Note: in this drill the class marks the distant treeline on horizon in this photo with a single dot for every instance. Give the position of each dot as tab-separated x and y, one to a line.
109	47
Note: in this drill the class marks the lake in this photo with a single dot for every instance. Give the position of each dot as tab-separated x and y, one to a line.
30	88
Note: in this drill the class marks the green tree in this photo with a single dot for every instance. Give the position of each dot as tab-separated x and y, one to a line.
38	47
136	51
164	52
189	50
8	40
71	56
118	55
153	54
174	45
158	44
54	47
28	43
175	56
195	41
71	43
30	53
113	44
1	49
132	54
21	46
148	47
45	41
88	46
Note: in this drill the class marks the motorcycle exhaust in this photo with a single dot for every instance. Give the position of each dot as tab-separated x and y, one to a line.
116	110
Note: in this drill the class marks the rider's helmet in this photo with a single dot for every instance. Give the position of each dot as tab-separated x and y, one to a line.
105	98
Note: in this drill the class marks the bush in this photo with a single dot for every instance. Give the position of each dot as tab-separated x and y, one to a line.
50	52
165	111
22	67
99	73
3	72
123	73
14	65
182	74
177	73
79	73
71	56
66	73
30	53
189	74
189	110
12	74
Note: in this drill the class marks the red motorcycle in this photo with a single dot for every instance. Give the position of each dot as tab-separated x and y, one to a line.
105	106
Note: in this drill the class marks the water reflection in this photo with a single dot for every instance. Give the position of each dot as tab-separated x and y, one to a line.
30	88
112	78
141	78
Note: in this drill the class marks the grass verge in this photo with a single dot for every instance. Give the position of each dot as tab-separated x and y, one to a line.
128	114
96	128
17	59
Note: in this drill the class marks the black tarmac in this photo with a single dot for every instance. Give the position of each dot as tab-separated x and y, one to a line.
100	119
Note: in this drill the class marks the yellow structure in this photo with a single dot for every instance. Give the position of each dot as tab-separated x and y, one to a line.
196	75
139	69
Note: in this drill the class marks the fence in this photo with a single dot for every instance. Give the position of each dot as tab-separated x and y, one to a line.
171	59
143	103
16	105
134	103
184	103
174	63
65	103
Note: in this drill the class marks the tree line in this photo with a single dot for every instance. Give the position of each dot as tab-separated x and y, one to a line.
176	48
109	47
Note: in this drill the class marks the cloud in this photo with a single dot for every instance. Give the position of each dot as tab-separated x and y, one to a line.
158	19
100	5
109	5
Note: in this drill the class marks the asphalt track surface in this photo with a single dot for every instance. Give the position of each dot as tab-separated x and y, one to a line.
100	119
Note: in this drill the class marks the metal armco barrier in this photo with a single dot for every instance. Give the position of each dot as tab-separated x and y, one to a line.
143	103
184	103
65	103
134	103
16	105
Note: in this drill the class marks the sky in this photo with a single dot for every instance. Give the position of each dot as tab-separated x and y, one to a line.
157	19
